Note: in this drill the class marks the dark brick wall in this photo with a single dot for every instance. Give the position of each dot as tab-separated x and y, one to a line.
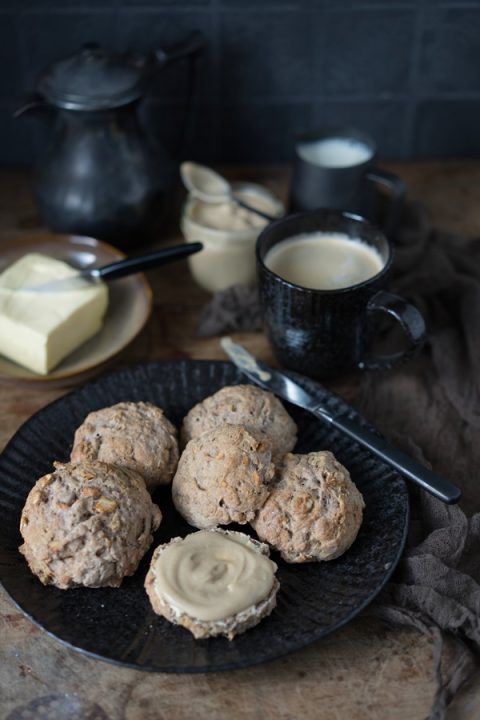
407	72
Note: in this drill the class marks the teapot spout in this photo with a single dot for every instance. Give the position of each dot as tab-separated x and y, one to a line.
31	102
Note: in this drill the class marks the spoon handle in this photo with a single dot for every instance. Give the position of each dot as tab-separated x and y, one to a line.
245	205
120	268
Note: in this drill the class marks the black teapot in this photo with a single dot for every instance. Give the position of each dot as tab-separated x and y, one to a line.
100	174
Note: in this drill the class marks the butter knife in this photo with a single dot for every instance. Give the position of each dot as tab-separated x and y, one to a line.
120	268
286	388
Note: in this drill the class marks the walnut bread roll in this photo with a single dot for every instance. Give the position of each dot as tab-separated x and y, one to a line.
259	411
133	435
223	476
213	582
87	524
314	510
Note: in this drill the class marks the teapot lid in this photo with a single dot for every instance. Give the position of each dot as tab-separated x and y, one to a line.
94	79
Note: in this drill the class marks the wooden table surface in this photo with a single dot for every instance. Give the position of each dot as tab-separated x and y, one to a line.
365	670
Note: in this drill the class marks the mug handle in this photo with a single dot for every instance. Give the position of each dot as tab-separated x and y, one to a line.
411	322
397	189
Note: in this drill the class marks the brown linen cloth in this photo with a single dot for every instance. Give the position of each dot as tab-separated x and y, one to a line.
430	408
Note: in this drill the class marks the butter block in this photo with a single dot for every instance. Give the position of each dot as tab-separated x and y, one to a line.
39	329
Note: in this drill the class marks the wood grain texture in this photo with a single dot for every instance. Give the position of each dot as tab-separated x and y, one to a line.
366	670
356	673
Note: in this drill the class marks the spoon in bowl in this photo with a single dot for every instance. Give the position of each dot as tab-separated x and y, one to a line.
211	187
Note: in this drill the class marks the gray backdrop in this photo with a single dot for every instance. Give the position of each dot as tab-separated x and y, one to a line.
407	72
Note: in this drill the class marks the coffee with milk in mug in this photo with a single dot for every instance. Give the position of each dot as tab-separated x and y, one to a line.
324	261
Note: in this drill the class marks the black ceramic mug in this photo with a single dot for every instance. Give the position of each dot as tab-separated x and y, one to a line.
335	168
322	333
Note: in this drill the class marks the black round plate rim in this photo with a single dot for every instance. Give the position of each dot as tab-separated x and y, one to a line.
228	666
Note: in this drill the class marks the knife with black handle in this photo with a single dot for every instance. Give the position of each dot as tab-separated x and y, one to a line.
288	389
117	269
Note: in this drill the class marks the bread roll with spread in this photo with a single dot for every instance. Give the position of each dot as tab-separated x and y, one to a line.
213	582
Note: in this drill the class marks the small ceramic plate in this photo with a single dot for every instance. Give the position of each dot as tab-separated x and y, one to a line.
129	307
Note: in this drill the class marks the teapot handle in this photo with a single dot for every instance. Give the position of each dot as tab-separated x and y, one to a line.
31	102
192	45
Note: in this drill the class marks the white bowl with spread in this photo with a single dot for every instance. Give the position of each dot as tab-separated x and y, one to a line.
228	233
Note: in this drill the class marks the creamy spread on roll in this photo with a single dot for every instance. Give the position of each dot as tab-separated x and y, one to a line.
212	576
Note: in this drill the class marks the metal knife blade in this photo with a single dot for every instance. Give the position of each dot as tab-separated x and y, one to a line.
80	281
266	377
282	385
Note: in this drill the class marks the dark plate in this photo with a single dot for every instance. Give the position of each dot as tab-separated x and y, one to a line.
118	624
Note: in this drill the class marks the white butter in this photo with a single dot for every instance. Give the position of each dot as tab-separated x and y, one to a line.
39	329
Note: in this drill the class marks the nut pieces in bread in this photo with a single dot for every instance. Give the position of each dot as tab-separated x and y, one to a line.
223	477
314	510
135	435
87	524
257	410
